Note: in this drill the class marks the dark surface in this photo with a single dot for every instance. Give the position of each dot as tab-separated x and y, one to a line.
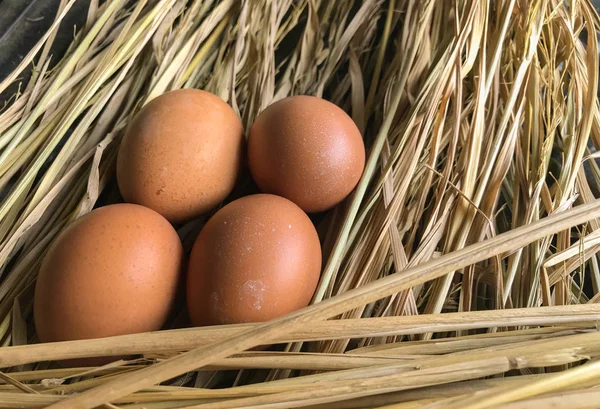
23	23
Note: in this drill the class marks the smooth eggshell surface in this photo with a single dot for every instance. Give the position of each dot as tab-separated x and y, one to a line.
307	150
113	271
256	259
181	154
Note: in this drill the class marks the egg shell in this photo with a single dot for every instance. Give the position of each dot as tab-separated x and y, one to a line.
256	259
181	154
307	150
113	271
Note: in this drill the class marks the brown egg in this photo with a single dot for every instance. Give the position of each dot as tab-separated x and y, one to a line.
256	259
181	154
114	271
307	150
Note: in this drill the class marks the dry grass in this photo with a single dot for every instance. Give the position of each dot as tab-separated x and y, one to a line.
477	205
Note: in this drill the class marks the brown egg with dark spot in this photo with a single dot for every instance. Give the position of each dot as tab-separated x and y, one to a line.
256	259
114	271
307	150
181	154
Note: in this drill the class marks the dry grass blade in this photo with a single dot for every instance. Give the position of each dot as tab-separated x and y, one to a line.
577	399
502	394
21	386
184	340
364	387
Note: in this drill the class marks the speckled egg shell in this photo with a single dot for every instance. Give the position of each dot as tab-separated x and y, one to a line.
181	154
307	150
113	271
256	259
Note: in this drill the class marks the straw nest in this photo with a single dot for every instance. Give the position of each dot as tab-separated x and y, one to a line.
463	271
